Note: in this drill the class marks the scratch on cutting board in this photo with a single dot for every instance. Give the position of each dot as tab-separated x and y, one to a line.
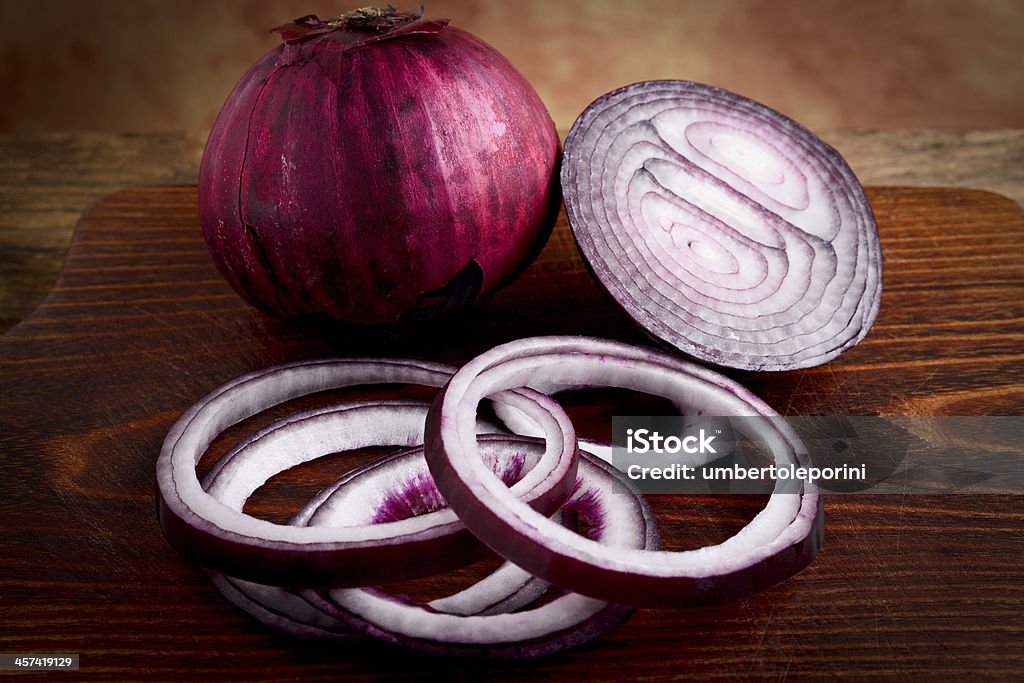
760	641
793	393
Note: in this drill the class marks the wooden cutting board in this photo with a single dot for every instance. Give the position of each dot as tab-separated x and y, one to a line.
140	325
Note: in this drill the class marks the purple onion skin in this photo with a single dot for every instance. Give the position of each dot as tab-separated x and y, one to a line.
378	177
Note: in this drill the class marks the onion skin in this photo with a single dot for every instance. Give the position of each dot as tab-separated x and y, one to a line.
378	173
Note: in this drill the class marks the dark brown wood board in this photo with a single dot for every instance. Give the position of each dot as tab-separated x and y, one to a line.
140	325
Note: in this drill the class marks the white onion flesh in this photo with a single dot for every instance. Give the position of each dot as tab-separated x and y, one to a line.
358	498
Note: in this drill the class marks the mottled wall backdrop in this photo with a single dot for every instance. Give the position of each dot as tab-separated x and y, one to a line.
145	65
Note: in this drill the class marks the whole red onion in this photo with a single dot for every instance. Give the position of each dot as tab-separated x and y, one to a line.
378	167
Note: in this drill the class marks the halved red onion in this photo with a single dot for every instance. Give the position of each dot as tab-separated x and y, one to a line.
781	540
619	518
221	537
721	226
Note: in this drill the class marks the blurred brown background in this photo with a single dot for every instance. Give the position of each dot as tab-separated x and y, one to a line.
153	65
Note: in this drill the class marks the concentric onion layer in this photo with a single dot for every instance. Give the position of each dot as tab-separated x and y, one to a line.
721	226
780	541
218	535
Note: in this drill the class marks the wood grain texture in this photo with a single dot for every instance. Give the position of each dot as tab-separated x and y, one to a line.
140	325
47	180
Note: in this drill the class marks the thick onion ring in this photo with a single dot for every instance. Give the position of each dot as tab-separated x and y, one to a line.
221	538
782	539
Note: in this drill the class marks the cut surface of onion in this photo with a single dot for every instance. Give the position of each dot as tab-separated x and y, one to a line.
221	537
721	226
473	622
780	541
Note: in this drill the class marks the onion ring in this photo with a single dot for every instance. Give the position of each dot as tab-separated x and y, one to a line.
347	502
569	620
781	540
227	540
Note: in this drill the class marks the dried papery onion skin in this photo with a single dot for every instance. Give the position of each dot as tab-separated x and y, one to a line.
722	227
380	169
